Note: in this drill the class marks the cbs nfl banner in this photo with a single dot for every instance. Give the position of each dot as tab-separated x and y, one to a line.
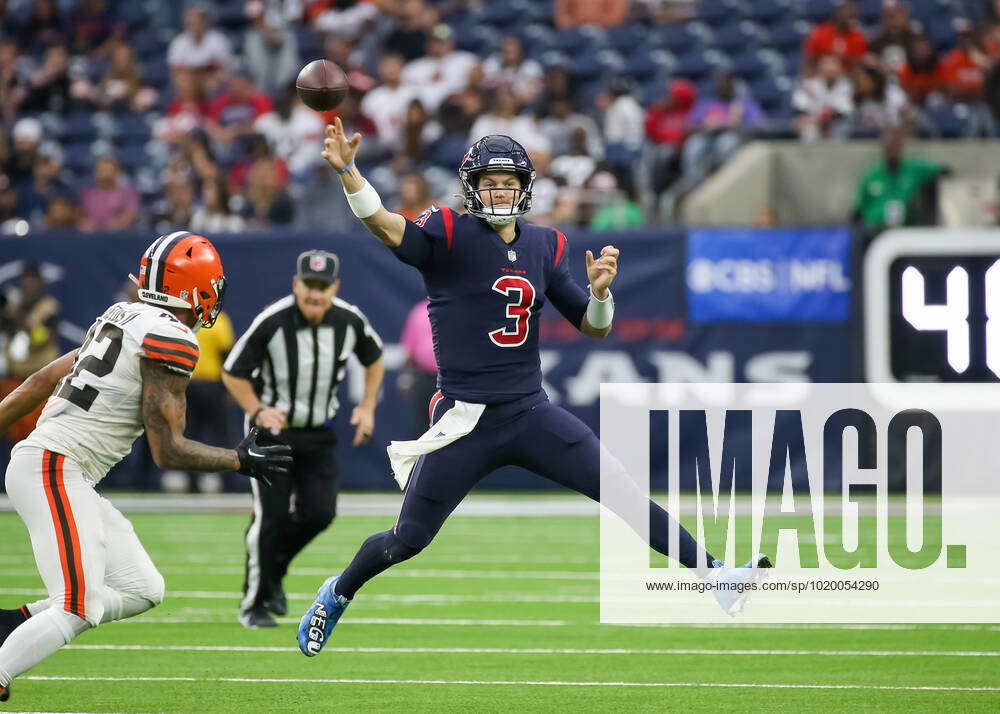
854	553
769	274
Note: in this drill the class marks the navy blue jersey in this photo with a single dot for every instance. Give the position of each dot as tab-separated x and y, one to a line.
485	298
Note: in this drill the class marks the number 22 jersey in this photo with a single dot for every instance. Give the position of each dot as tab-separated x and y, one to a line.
95	413
485	298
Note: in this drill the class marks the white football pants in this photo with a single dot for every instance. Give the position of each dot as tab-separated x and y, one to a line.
91	561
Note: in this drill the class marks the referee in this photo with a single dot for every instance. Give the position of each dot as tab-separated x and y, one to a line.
284	373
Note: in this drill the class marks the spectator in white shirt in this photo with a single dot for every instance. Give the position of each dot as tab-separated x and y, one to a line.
623	115
200	49
562	120
293	131
824	102
504	118
511	69
214	214
271	52
443	71
386	105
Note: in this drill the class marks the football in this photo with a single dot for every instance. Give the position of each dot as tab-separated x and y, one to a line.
321	85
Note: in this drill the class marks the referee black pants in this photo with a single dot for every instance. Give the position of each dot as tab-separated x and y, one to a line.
289	513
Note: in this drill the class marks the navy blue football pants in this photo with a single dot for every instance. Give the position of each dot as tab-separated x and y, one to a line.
532	433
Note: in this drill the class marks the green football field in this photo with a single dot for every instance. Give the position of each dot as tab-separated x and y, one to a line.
499	614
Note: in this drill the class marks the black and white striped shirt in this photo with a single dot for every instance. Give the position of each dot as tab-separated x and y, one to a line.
297	366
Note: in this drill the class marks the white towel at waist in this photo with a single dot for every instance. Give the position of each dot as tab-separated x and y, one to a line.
453	424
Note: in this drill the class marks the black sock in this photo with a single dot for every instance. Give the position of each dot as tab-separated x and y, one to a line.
13	618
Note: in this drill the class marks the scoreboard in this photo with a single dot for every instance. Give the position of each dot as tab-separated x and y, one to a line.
932	308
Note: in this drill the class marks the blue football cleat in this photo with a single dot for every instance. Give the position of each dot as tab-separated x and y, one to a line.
318	622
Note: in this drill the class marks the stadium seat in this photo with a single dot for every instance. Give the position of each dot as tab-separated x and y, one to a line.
750	65
536	38
502	14
79	158
592	66
652	91
941	32
677	39
480	39
789	35
579	40
947	121
870	11
767	12
816	11
644	64
699	65
78	128
132	157
132	128
156	73
719	12
771	93
447	151
310	43
739	36
147	44
539	11
625	38
231	15
620	156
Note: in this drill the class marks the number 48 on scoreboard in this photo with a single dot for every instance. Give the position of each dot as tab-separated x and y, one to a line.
932	307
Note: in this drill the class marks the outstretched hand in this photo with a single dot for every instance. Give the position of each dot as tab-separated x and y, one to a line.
338	150
601	272
263	462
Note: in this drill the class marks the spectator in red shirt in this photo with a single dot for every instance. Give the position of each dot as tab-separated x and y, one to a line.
839	36
185	112
963	68
667	128
232	114
921	74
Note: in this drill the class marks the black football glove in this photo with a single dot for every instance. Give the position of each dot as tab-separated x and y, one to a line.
263	462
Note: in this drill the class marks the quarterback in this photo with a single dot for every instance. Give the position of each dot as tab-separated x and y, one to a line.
130	373
487	275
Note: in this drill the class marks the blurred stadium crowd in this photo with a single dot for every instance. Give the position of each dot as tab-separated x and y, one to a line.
157	115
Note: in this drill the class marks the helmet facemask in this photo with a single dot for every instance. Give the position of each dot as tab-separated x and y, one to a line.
489	211
219	286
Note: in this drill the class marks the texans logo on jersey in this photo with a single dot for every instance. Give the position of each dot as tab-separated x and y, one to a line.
422	218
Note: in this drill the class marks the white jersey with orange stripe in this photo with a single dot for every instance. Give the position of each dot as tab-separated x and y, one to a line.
94	415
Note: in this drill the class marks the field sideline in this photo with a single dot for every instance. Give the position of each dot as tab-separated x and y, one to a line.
500	613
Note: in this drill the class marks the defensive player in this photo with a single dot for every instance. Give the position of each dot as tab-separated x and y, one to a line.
487	275
131	372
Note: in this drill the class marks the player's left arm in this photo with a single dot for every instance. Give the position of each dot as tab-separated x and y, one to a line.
164	414
368	350
33	391
363	416
591	312
600	308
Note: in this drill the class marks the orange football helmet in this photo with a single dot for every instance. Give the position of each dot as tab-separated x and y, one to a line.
182	269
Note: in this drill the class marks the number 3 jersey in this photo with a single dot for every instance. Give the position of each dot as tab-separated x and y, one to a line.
95	413
485	298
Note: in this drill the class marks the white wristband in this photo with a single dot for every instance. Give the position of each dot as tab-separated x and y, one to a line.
601	312
366	202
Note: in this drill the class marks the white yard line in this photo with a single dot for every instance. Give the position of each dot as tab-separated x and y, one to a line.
542	651
487	682
358	621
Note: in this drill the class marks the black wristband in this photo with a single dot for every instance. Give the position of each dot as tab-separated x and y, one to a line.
253	417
